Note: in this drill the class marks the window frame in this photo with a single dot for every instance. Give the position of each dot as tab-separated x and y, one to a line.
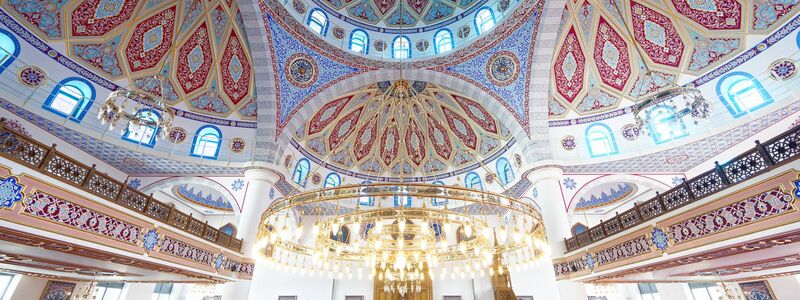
667	121
407	203
479	26
437	41
12	55
197	139
650	292
407	50
158	291
107	286
323	31
730	100
435	201
505	176
301	181
81	107
152	142
609	135
336	177
365	47
473	183
370	200
6	291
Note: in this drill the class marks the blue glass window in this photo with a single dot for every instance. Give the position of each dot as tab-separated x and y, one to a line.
207	141
401	47
332	180
663	126
741	93
366	200
359	41
71	98
504	171
318	21
143	134
9	49
473	181
443	41
600	140
301	171
397	201
484	20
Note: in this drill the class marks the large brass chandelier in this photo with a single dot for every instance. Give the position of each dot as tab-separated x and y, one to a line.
115	113
395	234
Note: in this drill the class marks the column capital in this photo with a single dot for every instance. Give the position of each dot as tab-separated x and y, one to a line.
545	172
262	174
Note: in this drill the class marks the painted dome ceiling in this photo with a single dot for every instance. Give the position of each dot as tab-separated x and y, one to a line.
199	45
595	65
379	131
397	13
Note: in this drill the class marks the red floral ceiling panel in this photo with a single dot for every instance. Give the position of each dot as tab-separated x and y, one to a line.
570	67
97	17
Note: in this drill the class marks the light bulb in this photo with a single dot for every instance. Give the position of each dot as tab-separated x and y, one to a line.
402	225
335	228
468	230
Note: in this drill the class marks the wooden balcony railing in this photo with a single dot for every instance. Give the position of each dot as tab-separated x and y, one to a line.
48	160
762	158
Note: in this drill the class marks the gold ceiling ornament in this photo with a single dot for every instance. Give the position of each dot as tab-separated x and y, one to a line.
395	233
682	100
114	111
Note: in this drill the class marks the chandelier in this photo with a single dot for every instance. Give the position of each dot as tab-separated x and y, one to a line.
683	100
395	234
114	111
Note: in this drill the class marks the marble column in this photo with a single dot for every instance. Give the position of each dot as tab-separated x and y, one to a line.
554	215
256	199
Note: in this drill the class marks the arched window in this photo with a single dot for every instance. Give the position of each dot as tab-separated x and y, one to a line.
9	49
600	140
143	134
71	98
663	126
332	180
359	41
741	93
301	170
579	228
228	229
484	20
438	201
401	47
407	202
207	141
443	41
342	236
504	171
366	200
473	181
318	21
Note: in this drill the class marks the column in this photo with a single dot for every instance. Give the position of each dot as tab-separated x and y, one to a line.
554	215
256	200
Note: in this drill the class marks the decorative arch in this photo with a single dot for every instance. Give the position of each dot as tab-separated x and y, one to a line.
642	182
71	98
168	183
578	228
600	140
9	49
741	93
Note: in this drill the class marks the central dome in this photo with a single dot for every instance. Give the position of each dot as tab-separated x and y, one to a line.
403	129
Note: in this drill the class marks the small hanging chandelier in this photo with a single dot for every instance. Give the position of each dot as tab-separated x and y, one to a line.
114	111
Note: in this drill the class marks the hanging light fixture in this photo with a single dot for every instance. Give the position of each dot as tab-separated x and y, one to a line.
683	100
115	111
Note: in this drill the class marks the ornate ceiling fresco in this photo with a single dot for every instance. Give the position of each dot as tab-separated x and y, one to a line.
374	131
200	46
498	64
595	64
396	13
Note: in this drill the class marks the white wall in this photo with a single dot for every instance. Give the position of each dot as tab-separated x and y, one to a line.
785	287
29	287
138	291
